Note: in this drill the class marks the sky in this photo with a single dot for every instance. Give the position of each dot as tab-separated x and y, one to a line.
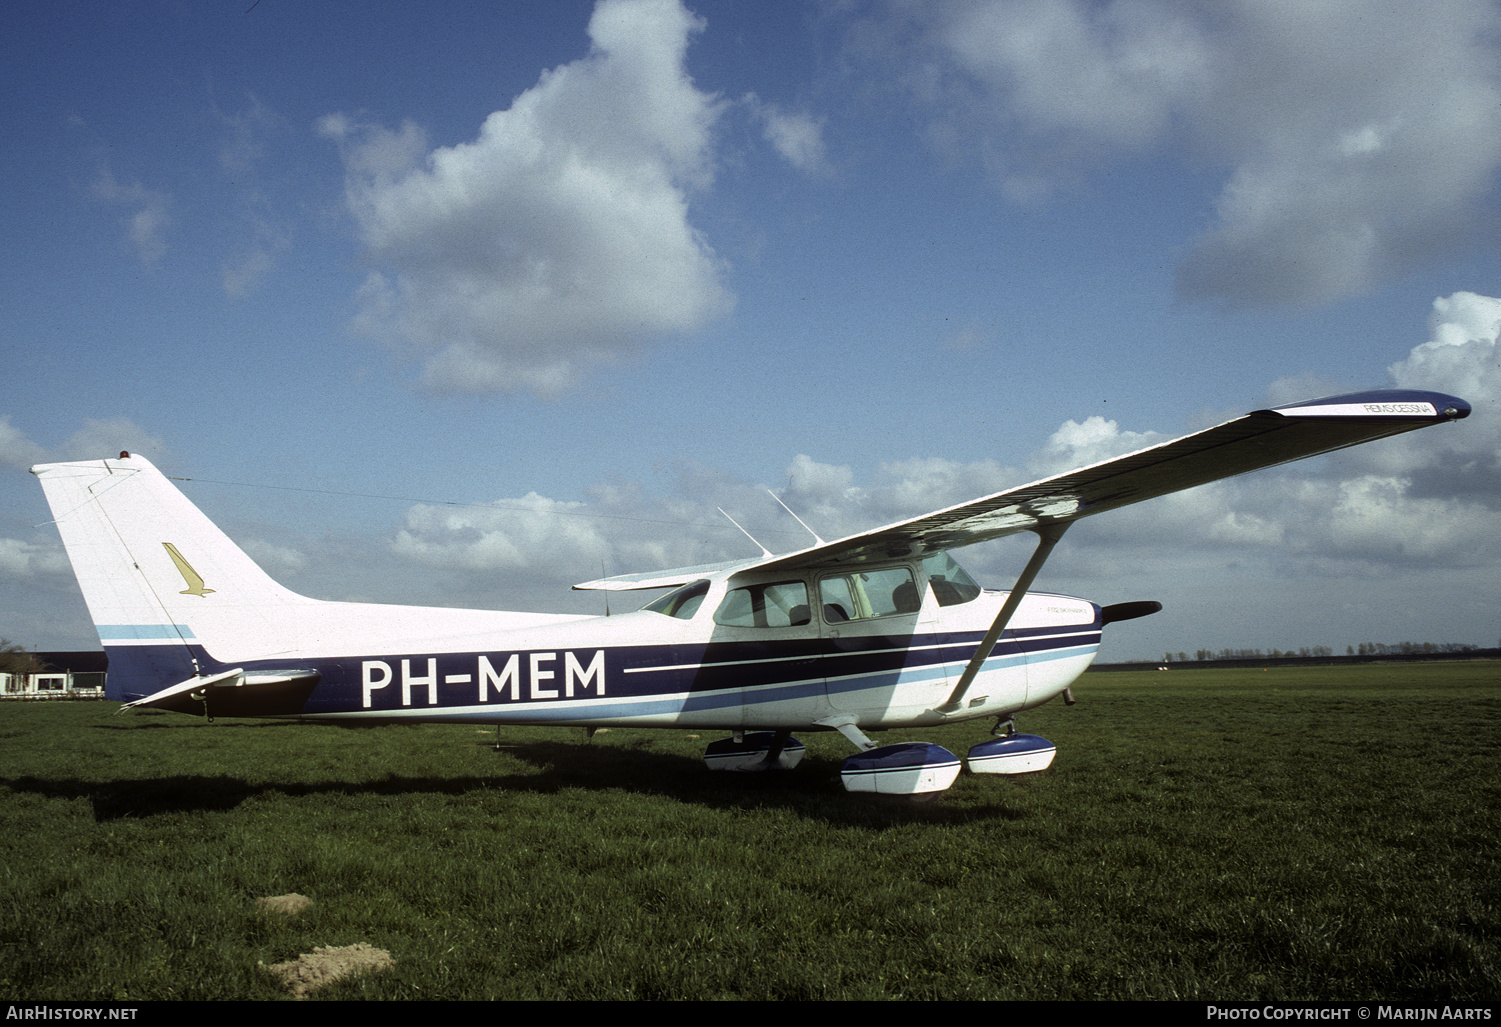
462	304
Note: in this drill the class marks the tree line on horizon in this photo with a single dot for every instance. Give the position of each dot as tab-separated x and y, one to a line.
1325	652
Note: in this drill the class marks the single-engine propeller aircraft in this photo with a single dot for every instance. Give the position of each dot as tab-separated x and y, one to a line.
879	630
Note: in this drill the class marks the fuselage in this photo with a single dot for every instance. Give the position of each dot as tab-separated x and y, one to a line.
744	652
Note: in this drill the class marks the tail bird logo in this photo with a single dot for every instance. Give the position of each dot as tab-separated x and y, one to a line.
195	582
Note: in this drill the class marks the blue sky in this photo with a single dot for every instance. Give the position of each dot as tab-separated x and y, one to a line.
593	271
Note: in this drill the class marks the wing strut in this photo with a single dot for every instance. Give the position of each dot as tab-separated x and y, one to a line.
1048	534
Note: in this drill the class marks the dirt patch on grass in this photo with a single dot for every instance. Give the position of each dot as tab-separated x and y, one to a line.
289	904
325	965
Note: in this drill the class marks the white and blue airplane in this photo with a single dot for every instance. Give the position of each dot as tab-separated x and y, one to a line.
880	630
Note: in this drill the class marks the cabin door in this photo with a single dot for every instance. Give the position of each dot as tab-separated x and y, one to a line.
878	632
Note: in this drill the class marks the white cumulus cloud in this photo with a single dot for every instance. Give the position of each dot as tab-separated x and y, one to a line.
274	559
1355	139
1079	445
557	239
521	534
16	450
94	439
23	559
1378	517
1461	354
1462	357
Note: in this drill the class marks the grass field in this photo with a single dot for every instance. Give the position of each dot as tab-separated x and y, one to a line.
1203	834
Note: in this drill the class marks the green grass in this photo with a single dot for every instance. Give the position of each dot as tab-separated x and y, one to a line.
1324	833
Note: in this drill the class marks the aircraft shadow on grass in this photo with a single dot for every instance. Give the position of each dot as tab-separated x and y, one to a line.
630	765
815	792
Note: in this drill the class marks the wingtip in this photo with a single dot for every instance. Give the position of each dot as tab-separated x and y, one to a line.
1381	404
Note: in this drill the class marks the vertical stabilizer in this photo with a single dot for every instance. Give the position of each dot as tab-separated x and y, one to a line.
166	589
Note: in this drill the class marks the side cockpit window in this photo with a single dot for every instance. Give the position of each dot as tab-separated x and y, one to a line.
683	603
951	584
782	604
864	594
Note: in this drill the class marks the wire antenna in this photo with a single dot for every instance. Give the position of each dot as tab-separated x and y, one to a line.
795	517
764	550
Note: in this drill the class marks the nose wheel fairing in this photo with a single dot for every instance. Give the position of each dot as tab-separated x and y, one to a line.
1013	754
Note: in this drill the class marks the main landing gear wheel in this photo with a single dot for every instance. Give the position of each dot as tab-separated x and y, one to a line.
906	768
751	753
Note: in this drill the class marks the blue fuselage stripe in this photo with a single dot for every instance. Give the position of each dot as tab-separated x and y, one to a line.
621	681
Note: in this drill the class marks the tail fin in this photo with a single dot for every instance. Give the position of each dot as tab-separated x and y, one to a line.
168	591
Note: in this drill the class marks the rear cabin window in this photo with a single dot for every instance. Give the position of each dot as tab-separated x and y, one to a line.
781	604
683	603
864	594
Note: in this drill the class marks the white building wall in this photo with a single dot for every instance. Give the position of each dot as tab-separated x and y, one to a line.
51	684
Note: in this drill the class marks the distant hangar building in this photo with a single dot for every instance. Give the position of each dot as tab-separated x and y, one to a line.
58	675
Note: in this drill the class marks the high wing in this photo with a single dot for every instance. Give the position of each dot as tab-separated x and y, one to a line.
1262	438
667	579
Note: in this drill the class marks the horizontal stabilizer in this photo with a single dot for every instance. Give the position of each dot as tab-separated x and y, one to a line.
235	693
163	699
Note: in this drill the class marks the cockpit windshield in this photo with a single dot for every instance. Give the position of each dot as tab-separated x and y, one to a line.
952	585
